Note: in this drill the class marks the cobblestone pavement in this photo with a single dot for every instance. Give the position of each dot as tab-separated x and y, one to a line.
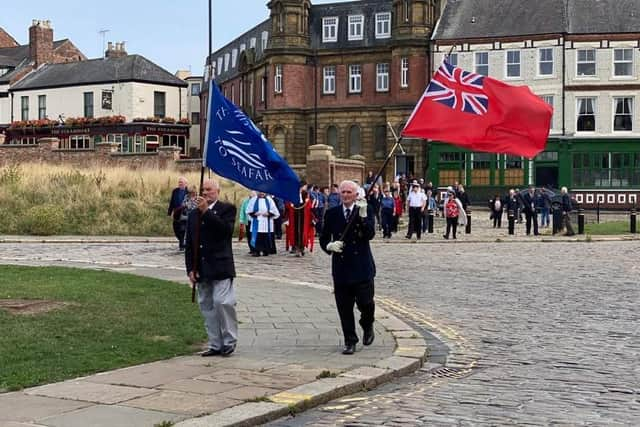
536	332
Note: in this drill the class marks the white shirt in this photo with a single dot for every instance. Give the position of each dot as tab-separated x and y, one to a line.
344	210
416	199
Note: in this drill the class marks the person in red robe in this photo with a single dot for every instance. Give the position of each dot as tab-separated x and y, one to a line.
300	224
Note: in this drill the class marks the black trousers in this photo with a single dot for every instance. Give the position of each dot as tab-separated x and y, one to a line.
452	226
531	217
387	221
415	222
360	294
179	228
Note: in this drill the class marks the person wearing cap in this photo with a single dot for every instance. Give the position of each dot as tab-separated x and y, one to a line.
352	265
416	200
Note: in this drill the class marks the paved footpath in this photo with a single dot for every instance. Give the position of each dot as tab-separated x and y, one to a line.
289	335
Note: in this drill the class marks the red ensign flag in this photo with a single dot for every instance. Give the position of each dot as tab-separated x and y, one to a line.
480	113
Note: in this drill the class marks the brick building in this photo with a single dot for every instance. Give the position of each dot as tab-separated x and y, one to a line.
16	61
333	74
580	56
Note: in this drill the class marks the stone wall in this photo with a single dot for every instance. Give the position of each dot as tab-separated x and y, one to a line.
322	167
104	154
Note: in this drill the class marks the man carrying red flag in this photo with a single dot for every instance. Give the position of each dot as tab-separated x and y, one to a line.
481	114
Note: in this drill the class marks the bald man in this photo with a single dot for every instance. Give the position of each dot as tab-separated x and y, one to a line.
213	270
352	264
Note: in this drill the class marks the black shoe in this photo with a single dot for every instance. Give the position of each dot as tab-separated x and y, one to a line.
255	254
445	236
349	349
228	350
211	352
368	336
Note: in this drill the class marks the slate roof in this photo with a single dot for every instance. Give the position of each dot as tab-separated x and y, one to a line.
108	70
464	19
16	57
367	8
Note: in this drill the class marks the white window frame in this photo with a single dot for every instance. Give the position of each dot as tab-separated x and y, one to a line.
220	63
613	111
622	61
264	40
383	25
277	78
252	43
234	58
476	64
330	29
382	77
227	58
579	62
355	78
263	89
545	61
595	113
550	99
453	59
356	27
513	64
243	47
329	80
404	72
79	142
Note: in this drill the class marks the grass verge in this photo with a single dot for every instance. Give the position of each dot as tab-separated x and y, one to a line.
109	320
607	228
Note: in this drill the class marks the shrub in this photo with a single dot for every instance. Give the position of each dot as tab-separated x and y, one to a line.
42	220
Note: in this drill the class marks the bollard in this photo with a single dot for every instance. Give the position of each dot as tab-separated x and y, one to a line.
598	212
632	221
467	228
512	220
430	216
580	221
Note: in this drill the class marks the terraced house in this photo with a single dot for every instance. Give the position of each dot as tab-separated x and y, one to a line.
582	57
333	74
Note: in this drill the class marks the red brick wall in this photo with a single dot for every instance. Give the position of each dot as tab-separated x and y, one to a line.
67	52
297	87
6	40
41	44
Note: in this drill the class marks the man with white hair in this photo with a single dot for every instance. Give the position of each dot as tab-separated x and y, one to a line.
210	267
352	264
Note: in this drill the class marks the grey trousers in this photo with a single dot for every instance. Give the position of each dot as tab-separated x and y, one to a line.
217	300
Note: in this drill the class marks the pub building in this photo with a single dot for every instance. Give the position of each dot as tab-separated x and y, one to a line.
121	98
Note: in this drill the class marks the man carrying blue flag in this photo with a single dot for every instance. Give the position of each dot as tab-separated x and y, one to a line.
236	149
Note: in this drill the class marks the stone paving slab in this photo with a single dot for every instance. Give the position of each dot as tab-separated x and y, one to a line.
87	391
110	416
20	407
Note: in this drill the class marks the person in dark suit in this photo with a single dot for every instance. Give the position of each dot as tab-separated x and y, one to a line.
529	209
352	265
210	267
175	206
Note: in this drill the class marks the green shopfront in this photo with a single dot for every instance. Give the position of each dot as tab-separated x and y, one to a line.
598	171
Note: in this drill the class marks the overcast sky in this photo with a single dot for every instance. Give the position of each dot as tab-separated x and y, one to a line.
170	33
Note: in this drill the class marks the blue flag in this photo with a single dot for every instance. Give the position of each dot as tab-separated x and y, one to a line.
236	149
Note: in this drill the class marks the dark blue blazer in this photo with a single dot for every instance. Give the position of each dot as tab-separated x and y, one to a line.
355	264
215	257
177	197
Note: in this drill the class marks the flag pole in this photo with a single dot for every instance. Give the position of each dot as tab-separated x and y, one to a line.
196	237
377	176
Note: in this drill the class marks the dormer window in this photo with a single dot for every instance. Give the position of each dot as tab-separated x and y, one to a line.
264	40
383	25
356	24
330	29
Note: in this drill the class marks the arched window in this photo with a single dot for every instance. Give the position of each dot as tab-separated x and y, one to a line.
332	139
355	147
279	141
380	142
